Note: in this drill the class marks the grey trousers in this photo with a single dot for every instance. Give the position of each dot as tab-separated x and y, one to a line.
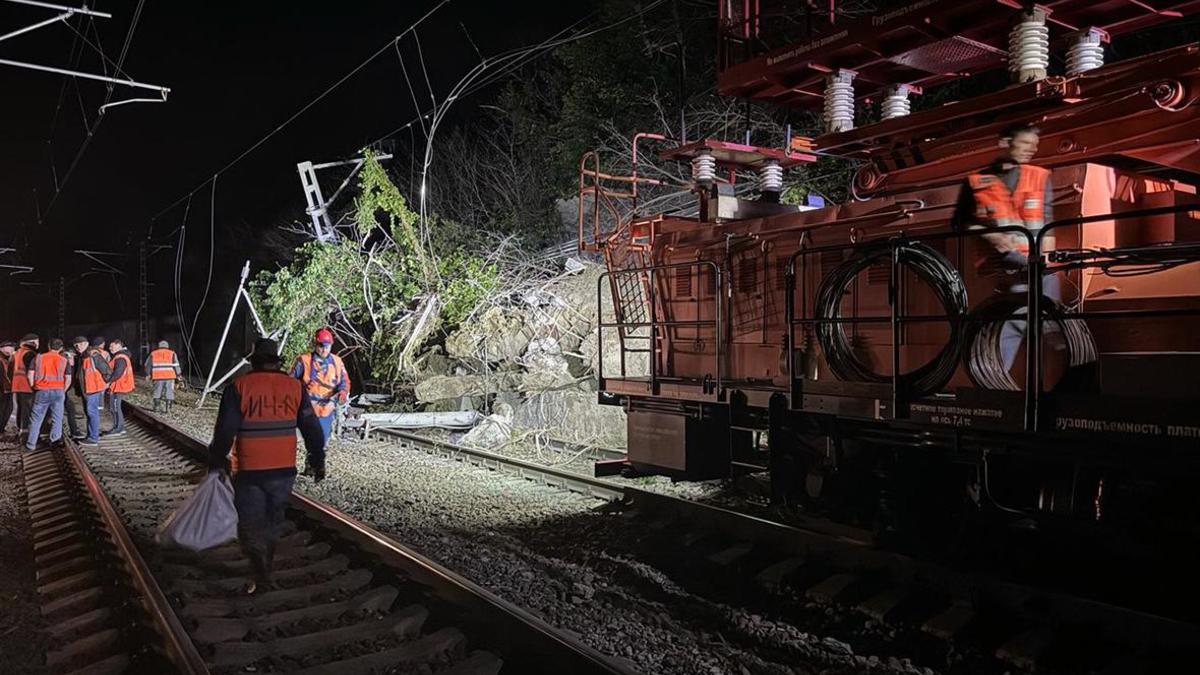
164	389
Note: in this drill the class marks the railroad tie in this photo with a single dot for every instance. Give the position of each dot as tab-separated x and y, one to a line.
476	663
776	576
442	646
832	588
214	629
322	568
405	623
271	600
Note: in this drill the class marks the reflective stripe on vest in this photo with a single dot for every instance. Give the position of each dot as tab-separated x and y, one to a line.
93	379
50	371
125	384
321	382
20	382
162	364
266	438
1022	207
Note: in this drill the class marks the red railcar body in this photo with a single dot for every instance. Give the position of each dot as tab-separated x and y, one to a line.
723	321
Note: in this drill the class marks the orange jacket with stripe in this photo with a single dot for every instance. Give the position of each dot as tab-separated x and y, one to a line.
258	418
121	381
325	380
50	372
22	360
94	369
163	364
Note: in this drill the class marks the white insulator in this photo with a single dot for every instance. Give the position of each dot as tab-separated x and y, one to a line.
1029	48
895	102
704	168
839	101
770	177
1087	53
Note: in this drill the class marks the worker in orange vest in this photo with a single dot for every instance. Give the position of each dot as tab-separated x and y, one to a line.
7	349
120	383
74	402
162	368
1011	192
325	379
22	364
94	371
49	379
259	414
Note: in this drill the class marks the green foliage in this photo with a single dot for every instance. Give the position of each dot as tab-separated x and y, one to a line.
370	287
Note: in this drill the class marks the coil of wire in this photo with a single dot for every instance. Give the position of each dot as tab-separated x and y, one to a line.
933	269
983	359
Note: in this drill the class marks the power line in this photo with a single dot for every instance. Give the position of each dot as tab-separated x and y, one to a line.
302	110
95	126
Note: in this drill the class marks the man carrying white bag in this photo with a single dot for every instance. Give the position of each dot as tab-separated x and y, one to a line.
258	418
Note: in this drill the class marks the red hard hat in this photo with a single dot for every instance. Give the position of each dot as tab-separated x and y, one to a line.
324	336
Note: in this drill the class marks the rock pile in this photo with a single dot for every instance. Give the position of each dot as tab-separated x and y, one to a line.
533	357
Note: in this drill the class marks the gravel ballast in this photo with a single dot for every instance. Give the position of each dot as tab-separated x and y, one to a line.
561	556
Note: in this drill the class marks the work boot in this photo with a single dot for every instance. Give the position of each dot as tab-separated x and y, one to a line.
168	403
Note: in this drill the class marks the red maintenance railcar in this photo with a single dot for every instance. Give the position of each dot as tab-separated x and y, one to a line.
853	349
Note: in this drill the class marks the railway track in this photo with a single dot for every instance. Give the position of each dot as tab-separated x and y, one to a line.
929	607
344	599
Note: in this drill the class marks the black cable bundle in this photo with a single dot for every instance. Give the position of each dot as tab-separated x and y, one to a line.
982	358
931	267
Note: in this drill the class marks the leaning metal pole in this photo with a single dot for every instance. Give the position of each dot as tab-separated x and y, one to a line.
237	297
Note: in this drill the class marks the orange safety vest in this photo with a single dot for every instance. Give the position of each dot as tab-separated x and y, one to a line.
321	382
1023	207
270	403
20	383
162	364
125	384
93	379
50	371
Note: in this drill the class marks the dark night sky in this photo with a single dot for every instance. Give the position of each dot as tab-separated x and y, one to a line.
236	70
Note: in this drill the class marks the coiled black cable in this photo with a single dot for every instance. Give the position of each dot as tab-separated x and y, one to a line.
983	360
932	268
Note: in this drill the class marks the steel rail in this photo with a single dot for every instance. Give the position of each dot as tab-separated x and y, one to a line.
843	547
179	647
846	548
517	626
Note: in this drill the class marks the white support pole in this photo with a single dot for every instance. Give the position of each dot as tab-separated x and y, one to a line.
87	76
62	8
253	312
40	24
224	334
230	374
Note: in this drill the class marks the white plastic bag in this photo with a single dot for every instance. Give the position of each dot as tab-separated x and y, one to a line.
207	519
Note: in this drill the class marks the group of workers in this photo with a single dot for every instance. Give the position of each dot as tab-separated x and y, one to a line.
255	433
57	381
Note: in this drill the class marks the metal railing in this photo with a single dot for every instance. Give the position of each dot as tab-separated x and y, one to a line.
1037	269
592	183
654	324
896	319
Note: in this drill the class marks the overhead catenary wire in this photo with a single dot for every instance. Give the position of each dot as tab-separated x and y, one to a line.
212	246
95	125
319	97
